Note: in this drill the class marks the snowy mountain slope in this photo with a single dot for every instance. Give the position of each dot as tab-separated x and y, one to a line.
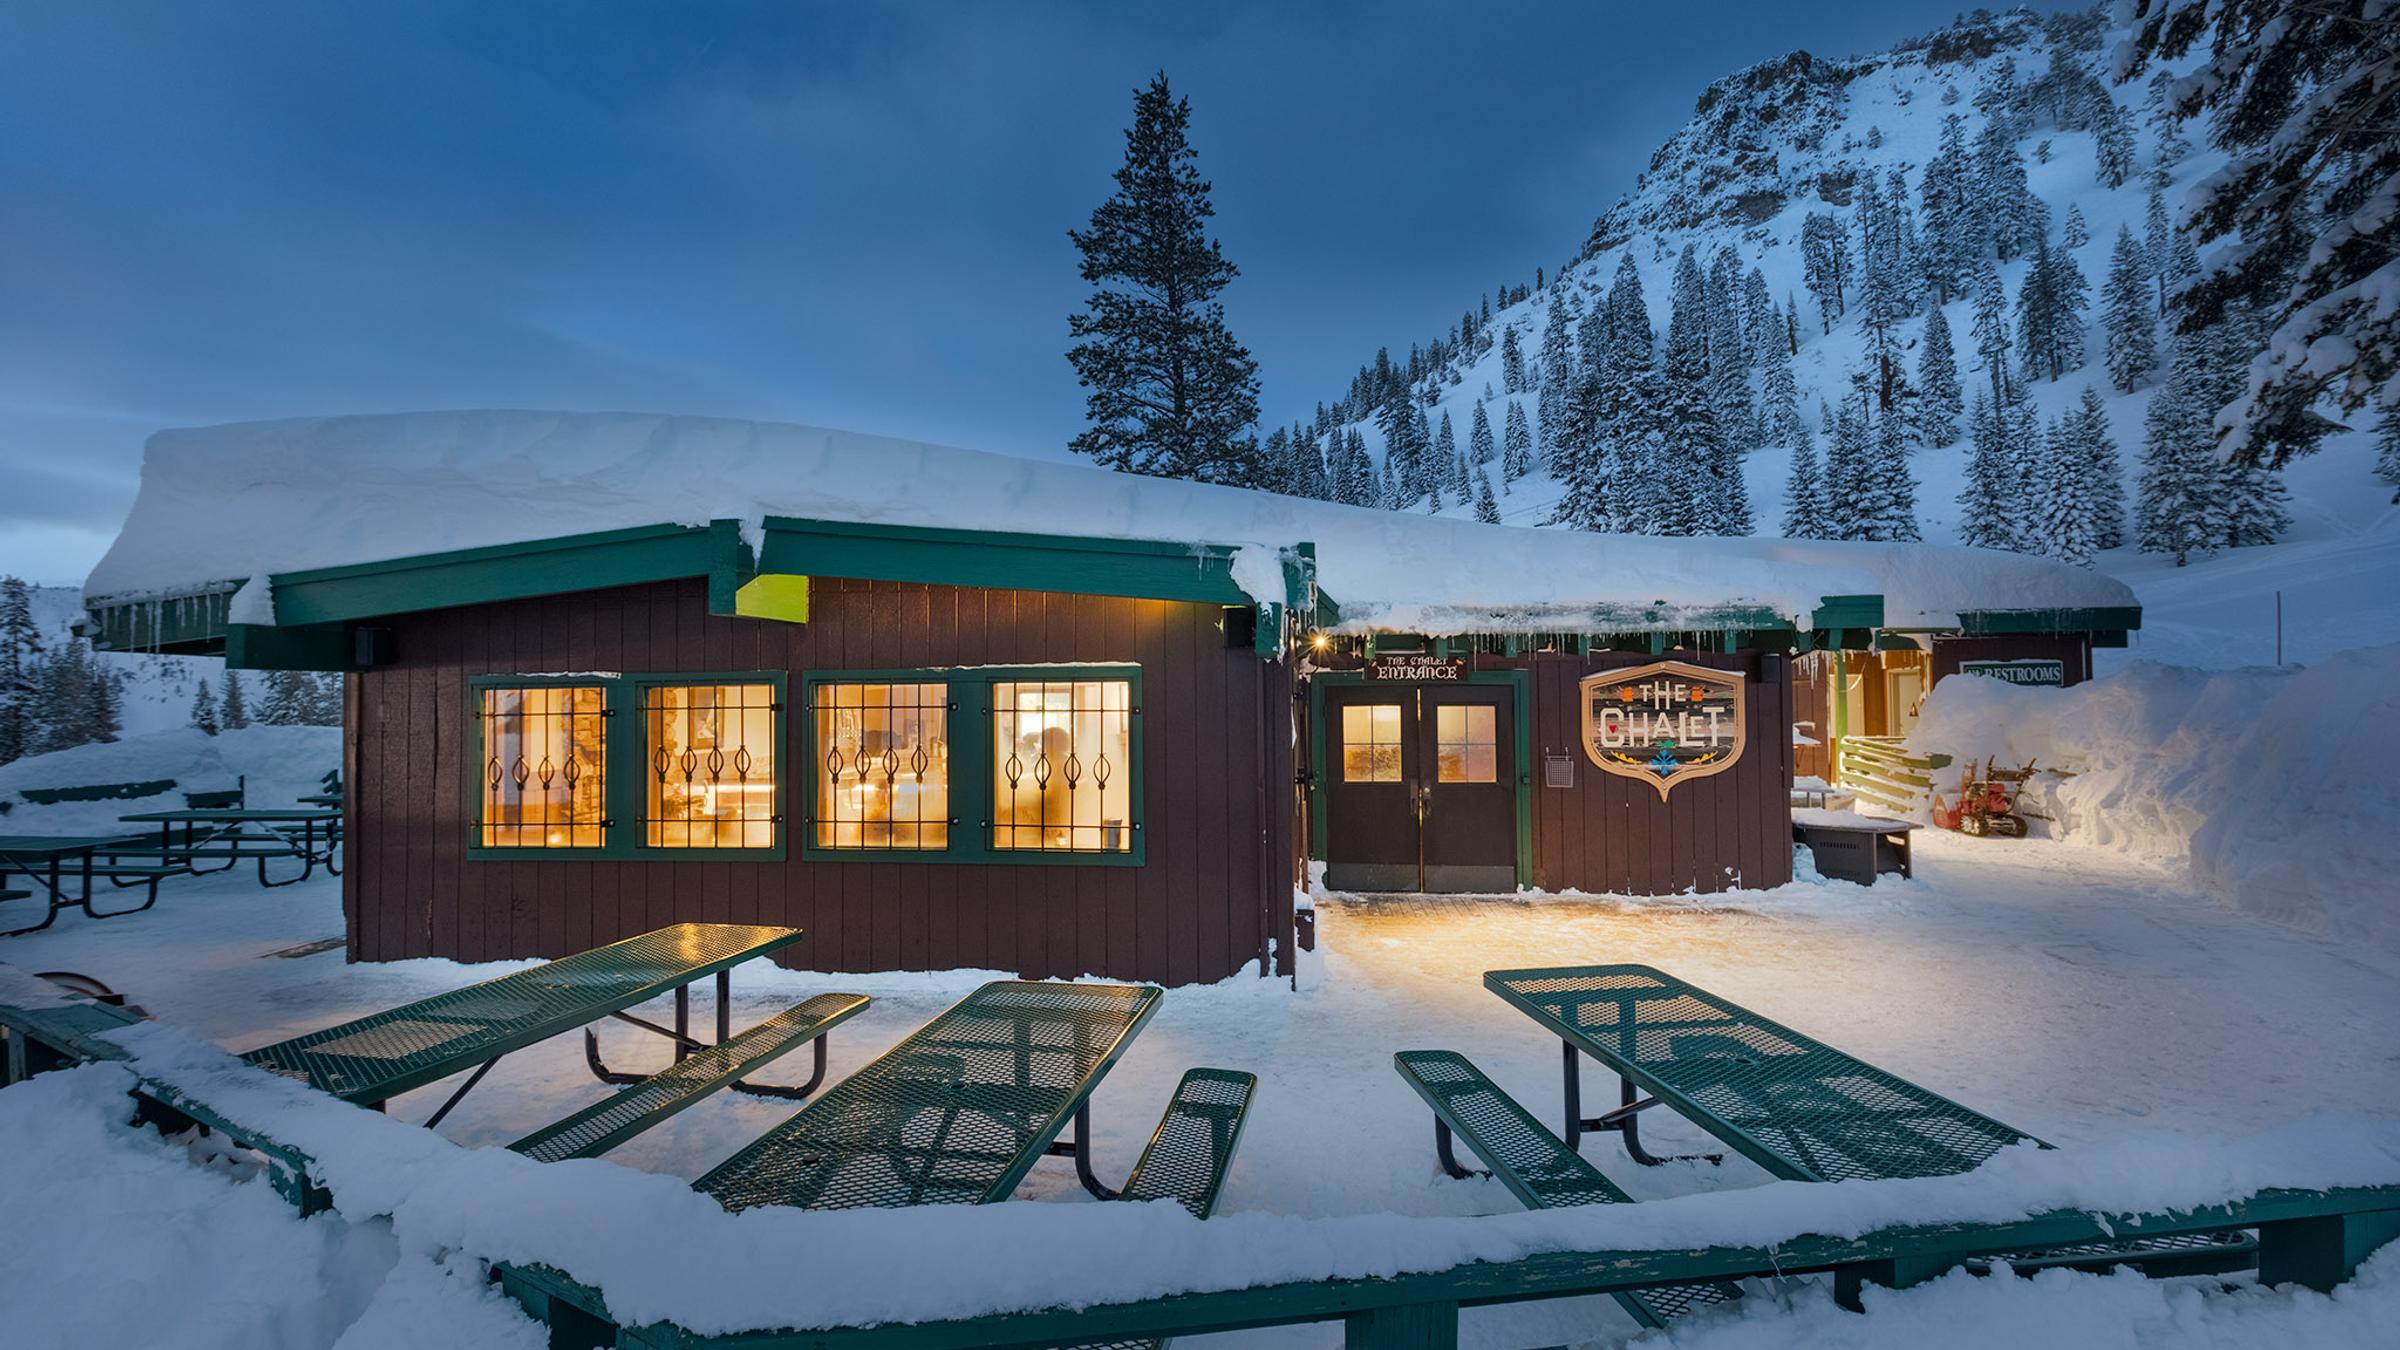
1771	144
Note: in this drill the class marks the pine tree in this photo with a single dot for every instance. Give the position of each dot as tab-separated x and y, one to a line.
2002	193
1487	508
1445	452
1361	485
2050	315
2114	138
2063	523
1954	232
1728	358
1558	354
1803	495
235	714
2104	471
1825	264
1849	460
2166	129
1762	327
204	708
1785	426
65	689
1989	329
2257	506
2178	512
2076	233
1940	399
20	653
1512	362
1172	393
1516	440
2126	316
1479	437
1989	511
2387	447
289	696
107	706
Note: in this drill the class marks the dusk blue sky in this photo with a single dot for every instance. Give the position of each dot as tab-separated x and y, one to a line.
848	215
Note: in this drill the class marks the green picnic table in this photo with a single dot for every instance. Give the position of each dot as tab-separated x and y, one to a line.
956	1114
372	1059
50	861
237	832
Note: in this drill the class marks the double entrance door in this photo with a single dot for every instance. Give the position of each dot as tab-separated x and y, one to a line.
1420	788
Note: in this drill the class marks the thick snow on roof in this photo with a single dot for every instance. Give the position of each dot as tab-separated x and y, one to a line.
240	501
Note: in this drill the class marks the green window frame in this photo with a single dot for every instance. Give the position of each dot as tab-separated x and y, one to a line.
631	767
973	725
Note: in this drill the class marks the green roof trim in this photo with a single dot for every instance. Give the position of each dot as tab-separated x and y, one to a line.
1142	568
2124	619
1847	611
183	625
480	576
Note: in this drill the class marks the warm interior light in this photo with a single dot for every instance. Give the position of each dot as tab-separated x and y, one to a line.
1320	642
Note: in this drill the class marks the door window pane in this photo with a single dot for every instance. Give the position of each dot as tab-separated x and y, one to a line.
712	766
1062	760
545	772
1371	743
883	766
1466	743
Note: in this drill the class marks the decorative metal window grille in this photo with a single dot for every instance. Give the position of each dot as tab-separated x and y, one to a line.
883	766
1062	759
545	767
1466	740
1371	743
712	766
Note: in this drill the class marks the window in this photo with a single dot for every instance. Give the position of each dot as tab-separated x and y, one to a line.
545	767
1062	751
1465	739
883	766
1371	743
711	753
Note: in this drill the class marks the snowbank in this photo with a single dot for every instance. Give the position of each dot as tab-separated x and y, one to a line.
2275	789
282	765
236	502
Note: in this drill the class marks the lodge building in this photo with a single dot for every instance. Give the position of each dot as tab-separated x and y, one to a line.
944	709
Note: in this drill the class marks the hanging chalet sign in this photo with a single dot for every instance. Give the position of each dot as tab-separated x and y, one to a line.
1417	668
1664	723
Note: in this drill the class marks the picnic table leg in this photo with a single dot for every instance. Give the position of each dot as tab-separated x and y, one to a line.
1448	1155
1081	1150
683	1021
463	1090
1625	1120
50	882
724	1006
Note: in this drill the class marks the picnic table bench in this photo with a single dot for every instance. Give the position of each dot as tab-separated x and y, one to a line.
1797	1107
372	1059
233	833
52	862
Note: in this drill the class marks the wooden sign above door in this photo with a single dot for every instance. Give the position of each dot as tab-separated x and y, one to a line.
1664	723
1417	668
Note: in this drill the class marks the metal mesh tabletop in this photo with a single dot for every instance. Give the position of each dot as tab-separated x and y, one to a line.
956	1114
1799	1108
378	1057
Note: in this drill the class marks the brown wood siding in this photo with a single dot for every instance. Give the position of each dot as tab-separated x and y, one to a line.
1614	834
1212	895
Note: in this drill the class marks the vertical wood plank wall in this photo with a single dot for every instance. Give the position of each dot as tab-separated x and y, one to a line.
1609	833
1214	892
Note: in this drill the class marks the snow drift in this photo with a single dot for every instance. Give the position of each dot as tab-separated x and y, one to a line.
280	765
2274	789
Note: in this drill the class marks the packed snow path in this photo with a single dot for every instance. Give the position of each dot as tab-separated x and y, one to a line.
2066	991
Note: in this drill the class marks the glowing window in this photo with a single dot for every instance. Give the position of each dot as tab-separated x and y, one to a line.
710	751
1062	761
1465	743
545	767
883	766
1371	743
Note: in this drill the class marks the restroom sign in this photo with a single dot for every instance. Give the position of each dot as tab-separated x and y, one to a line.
1665	723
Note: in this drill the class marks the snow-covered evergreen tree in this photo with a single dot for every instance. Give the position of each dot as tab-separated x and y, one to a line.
1728	357
1990	329
1516	440
1887	498
2050	308
1487	507
2114	161
1171	392
2158	245
2076	232
1479	437
1512	362
1939	397
1953	230
2126	315
1445	455
1558	352
2166	127
234	712
1989	511
204	708
20	653
1825	264
1804	494
2179	513
2103	468
2012	213
2061	506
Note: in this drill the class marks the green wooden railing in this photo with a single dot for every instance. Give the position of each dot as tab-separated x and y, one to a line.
1880	771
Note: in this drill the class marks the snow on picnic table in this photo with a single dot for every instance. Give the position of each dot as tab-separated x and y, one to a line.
2073	994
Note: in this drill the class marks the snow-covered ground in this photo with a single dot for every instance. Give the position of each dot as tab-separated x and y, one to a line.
2074	993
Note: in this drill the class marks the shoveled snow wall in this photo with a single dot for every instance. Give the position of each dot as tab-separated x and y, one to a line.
2276	791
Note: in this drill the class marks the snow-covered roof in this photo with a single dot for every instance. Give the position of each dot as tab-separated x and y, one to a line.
251	499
